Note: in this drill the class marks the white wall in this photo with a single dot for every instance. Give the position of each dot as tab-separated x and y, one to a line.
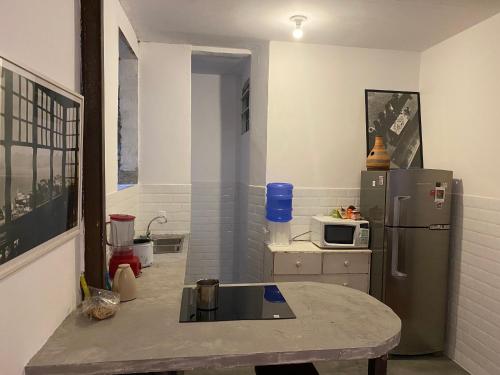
316	119
460	92
215	127
460	89
216	124
257	137
165	114
114	19
252	169
44	36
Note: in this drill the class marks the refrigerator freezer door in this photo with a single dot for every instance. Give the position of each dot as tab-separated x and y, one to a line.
377	274
418	197
416	276
372	207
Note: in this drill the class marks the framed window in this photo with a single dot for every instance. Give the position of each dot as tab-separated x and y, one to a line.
40	189
128	101
395	116
245	107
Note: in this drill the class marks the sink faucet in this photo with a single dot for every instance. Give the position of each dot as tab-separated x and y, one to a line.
163	221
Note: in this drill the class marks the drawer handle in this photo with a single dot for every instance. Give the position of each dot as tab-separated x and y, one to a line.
345	284
347	263
298	263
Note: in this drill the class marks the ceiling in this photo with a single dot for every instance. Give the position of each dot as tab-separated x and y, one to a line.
389	24
210	63
125	51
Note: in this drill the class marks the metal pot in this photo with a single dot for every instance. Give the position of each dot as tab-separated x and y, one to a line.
207	294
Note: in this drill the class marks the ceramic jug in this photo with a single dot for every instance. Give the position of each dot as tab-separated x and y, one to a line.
378	158
124	283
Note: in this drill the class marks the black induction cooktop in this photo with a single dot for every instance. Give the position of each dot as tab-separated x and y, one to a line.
252	302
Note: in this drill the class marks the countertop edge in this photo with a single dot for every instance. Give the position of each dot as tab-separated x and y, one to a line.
221	361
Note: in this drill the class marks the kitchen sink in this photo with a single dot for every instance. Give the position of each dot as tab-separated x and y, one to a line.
167	243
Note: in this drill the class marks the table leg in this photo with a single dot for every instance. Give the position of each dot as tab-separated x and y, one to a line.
162	373
290	369
377	366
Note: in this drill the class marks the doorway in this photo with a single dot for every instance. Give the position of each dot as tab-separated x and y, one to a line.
220	92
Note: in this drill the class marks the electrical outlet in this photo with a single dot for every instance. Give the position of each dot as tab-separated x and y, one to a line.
162	213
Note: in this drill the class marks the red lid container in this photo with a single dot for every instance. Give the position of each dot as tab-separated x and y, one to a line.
121	217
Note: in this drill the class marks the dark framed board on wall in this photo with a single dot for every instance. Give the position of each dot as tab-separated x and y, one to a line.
245	107
40	168
395	115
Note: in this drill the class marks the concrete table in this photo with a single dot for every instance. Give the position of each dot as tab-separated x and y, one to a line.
333	323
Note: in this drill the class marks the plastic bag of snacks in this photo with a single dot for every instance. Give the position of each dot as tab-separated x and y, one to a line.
101	304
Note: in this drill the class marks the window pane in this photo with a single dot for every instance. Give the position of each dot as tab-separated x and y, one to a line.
21	181
2	185
42	176
57	172
15	83
30	90
30	112
23	87
15	106
15	129
23	132
23	109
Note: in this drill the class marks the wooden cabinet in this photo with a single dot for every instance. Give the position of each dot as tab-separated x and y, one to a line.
303	261
359	281
346	262
297	263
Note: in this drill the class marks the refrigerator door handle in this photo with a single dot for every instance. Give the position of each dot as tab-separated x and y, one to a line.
395	237
395	256
397	208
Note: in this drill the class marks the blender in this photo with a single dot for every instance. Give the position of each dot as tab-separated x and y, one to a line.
121	243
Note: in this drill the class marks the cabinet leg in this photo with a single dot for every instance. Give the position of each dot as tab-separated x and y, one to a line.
378	366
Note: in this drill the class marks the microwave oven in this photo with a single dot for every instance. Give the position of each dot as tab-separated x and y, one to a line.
331	233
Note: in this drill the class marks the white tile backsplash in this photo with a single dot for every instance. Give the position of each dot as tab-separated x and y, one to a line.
123	201
174	199
308	202
226	221
253	258
213	232
474	303
146	201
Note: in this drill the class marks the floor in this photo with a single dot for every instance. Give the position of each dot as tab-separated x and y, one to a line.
399	366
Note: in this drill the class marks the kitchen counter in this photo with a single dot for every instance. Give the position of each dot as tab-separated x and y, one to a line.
333	323
309	247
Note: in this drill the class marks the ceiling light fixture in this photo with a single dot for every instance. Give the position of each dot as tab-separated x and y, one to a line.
298	33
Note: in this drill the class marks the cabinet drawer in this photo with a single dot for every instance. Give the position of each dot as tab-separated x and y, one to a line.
346	263
297	278
360	282
297	264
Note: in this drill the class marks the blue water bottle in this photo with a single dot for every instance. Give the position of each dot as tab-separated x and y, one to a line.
279	212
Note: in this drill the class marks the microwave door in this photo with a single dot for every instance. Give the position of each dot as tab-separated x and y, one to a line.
339	235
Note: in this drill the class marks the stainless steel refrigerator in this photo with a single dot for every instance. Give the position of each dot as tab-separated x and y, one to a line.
409	214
